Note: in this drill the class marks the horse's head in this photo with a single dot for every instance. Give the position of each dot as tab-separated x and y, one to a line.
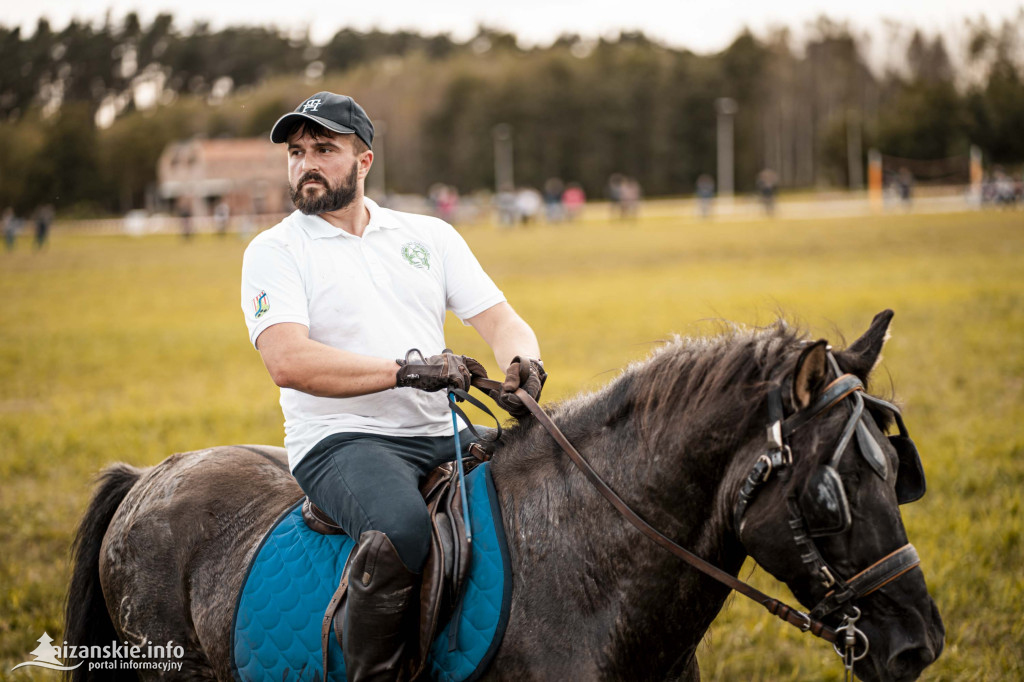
820	509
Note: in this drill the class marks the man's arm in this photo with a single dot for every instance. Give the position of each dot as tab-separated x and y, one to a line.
506	333
296	361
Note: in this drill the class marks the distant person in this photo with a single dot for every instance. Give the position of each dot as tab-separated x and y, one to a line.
186	222
505	202
11	225
44	218
434	197
905	186
528	204
221	217
554	189
629	198
613	192
446	202
573	200
1004	188
705	194
767	189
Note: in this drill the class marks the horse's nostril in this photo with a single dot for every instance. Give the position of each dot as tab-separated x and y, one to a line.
909	663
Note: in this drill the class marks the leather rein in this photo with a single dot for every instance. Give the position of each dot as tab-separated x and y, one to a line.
870	579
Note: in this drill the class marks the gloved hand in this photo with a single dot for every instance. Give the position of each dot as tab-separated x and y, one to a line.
525	373
438	372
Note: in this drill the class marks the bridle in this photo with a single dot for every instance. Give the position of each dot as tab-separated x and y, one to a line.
849	642
778	458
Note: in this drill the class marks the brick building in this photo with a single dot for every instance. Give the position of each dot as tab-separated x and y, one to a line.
249	175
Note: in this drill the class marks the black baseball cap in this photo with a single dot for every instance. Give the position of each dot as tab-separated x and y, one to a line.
339	113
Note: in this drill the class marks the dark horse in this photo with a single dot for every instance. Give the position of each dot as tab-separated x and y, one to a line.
161	552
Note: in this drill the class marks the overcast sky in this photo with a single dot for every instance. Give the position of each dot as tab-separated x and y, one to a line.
699	25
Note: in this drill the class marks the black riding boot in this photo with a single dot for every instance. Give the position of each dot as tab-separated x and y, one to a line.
381	594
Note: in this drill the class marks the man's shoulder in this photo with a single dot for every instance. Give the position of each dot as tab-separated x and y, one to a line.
415	223
404	218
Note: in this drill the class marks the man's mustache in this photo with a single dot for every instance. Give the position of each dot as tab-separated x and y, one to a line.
313	177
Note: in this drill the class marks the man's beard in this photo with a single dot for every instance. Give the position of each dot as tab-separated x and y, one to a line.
330	199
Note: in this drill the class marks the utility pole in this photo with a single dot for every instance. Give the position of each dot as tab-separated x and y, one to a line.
726	108
854	152
504	177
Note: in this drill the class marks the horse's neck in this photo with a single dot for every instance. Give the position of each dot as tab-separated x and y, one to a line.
581	566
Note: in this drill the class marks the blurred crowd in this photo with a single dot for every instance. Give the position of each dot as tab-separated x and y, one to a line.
1002	189
558	202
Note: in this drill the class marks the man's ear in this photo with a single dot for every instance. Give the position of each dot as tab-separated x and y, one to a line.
863	354
810	374
365	161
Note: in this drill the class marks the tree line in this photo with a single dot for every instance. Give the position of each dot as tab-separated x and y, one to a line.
86	111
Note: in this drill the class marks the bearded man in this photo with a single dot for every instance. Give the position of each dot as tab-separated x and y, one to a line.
332	295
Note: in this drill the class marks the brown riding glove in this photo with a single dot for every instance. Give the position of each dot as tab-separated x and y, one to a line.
525	373
438	372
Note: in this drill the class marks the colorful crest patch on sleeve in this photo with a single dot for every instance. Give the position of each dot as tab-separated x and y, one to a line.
261	304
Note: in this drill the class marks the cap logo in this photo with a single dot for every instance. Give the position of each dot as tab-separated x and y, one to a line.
311	105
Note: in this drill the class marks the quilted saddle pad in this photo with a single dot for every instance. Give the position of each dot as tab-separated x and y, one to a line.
276	633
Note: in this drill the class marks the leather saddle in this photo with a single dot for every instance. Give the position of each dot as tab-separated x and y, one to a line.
446	567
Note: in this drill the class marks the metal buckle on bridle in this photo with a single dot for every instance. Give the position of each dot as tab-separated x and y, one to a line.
787	455
775	458
850	635
806	625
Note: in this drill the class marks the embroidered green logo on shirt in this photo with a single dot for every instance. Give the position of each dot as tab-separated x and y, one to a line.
416	255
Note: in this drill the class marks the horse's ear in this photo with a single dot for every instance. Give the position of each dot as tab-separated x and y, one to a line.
864	353
810	374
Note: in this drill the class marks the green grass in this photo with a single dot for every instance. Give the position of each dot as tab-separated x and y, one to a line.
130	349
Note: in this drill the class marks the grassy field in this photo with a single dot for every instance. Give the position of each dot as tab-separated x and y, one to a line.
130	349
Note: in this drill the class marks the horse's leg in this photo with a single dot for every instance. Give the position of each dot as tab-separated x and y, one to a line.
176	553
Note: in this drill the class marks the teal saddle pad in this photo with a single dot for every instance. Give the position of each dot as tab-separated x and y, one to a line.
276	633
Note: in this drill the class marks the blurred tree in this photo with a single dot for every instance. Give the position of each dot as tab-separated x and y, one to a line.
20	145
579	109
997	113
924	117
129	151
995	103
65	171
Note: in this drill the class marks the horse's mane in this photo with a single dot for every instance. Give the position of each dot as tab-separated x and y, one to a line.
691	387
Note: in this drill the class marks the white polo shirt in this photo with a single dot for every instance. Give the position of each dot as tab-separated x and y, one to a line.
380	294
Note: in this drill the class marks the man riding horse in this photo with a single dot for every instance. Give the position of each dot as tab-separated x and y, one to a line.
331	295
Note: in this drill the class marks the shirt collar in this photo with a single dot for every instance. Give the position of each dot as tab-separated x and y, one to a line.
318	228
